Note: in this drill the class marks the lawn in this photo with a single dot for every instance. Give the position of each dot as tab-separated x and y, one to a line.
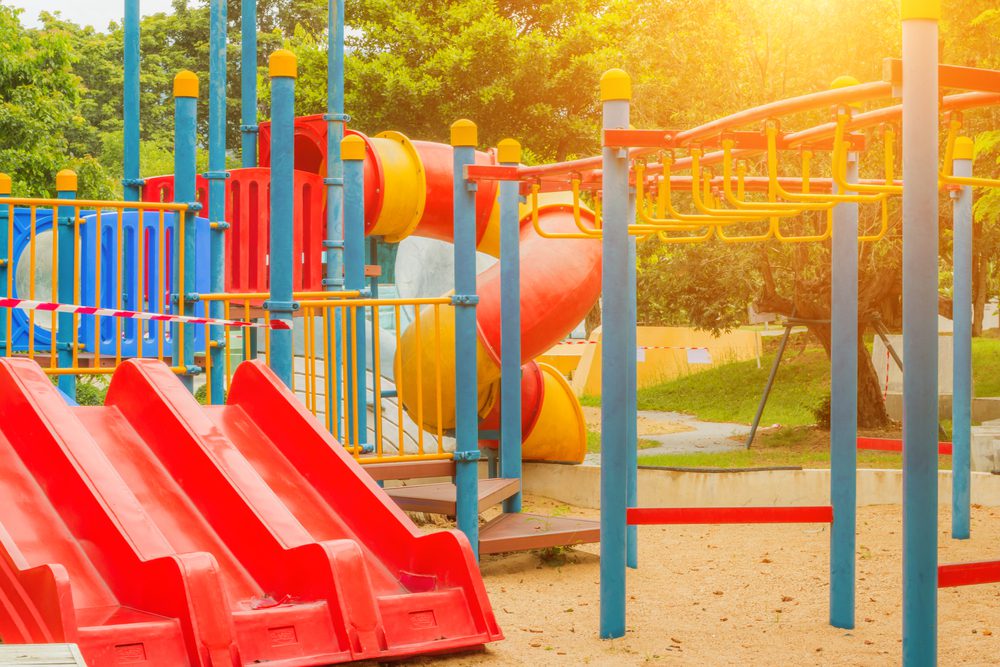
800	446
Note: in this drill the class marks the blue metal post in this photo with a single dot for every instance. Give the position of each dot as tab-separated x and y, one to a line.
464	137
616	91
844	405
336	120
961	405
920	331
131	182
334	242
509	154
354	280
66	187
5	259
631	398
283	71
185	159
248	85
216	177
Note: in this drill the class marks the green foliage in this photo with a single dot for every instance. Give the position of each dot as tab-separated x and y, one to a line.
731	392
91	391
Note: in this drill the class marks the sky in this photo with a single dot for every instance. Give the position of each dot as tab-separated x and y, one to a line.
98	13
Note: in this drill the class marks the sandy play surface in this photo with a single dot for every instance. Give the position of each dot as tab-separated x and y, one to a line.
647	425
733	595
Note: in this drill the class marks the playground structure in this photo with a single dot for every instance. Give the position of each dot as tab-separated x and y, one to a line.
283	250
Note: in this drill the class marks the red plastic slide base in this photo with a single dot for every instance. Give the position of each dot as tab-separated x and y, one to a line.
644	516
894	445
154	531
968	574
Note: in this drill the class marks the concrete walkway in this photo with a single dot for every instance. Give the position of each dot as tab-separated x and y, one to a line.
699	437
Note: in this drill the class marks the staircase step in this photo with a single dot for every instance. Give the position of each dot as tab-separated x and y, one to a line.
440	498
522	532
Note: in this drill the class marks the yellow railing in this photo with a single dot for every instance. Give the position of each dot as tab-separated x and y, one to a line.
111	259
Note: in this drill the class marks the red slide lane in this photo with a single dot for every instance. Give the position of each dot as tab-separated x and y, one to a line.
246	529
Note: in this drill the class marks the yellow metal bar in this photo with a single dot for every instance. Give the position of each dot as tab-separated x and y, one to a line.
76	289
397	373
181	286
331	373
420	381
535	188
32	243
119	278
228	340
237	296
9	314
437	380
377	381
307	358
82	204
162	288
945	174
140	283
53	354
839	159
405	458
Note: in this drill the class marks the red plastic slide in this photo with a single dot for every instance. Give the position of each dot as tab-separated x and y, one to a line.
155	531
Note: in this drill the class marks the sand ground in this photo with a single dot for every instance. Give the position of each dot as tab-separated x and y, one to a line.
733	595
650	423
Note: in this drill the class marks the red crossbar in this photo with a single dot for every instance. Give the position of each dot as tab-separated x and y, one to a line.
649	516
968	574
893	445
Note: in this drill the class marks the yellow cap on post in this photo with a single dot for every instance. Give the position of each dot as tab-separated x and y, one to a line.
464	133
509	151
283	63
846	82
965	149
352	147
66	181
186	84
921	9
5	184
616	84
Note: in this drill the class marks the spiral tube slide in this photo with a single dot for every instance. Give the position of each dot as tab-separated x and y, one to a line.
408	190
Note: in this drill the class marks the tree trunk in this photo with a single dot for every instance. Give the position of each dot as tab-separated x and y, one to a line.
871	397
593	319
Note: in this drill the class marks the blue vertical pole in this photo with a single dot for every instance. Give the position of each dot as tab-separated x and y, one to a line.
844	405
248	85
464	137
352	150
334	242
283	72
185	165
920	335
631	398
616	91
217	176
66	187
131	182
509	154
5	252
961	405
354	280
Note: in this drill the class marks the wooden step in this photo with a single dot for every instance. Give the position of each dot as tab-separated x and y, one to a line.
410	469
522	532
440	498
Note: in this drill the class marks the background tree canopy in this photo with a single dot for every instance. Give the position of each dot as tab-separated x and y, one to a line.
528	70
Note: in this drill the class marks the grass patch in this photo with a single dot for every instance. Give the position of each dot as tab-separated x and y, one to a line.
590	401
802	446
730	393
985	364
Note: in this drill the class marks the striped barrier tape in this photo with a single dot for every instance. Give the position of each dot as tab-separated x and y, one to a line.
695	355
44	306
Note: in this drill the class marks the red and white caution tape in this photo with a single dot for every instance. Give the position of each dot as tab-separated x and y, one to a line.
43	306
640	347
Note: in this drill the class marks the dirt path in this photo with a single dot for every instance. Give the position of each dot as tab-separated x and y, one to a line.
650	423
733	595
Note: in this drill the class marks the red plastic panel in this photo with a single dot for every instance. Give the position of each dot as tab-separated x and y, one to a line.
895	445
248	211
156	531
532	393
968	574
643	516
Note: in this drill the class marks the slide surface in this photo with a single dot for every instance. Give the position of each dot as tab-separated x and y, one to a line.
155	531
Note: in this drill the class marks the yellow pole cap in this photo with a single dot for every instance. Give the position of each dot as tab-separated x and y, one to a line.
965	149
616	84
5	184
509	151
920	9
283	63
186	84
352	147
464	133
66	181
846	82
